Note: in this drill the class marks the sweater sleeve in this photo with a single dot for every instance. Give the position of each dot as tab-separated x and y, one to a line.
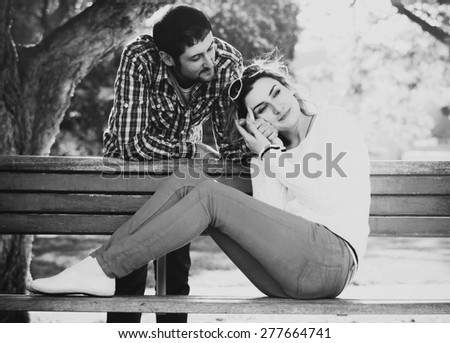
267	189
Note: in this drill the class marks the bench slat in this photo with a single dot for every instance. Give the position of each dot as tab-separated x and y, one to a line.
432	206
409	167
107	224
134	183
410	206
223	305
89	164
71	203
111	165
399	185
95	183
410	226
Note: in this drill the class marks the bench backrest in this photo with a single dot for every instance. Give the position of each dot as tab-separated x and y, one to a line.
77	195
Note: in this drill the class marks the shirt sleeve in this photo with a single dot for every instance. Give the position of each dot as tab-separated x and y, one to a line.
151	145
138	136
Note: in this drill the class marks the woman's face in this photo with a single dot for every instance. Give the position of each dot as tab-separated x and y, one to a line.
275	103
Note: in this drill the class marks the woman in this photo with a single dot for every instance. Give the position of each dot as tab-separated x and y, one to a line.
302	233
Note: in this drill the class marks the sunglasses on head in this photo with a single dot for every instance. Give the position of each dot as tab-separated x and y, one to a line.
235	88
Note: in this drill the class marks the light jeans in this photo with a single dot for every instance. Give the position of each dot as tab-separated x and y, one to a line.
283	255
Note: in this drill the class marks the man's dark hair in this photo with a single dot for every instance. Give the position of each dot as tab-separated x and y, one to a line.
181	27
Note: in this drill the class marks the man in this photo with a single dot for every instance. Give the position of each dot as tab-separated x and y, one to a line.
167	86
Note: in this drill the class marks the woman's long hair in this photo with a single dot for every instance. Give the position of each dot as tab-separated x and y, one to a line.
270	65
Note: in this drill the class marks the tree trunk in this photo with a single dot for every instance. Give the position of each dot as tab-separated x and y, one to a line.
14	250
36	85
9	87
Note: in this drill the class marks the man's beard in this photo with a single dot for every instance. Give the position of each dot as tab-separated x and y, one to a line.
206	76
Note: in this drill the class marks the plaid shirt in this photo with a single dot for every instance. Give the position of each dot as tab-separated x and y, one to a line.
149	120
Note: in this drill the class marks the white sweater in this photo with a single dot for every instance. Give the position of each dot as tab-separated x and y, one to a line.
339	198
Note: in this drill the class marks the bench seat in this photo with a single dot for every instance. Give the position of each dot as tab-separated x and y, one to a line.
223	305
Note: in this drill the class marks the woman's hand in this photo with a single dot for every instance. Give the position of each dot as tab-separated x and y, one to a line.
254	139
268	131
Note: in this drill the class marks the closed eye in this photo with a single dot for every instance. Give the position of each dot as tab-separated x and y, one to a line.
260	109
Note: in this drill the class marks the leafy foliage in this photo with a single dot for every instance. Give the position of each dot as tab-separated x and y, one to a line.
256	27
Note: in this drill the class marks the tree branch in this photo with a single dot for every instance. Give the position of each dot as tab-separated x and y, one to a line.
58	16
435	31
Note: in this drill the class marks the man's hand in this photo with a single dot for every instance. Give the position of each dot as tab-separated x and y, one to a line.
205	151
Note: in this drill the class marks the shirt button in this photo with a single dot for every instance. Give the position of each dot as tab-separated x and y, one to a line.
125	105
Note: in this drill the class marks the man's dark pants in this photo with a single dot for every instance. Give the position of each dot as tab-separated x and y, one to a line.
178	264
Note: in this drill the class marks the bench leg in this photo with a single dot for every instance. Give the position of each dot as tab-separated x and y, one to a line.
161	276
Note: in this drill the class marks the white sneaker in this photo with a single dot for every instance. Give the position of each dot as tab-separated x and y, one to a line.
86	277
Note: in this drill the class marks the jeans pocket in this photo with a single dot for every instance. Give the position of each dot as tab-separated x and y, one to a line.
318	280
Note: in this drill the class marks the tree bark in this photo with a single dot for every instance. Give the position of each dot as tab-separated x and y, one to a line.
14	250
10	103
36	85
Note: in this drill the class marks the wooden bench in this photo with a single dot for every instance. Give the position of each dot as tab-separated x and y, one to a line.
71	195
